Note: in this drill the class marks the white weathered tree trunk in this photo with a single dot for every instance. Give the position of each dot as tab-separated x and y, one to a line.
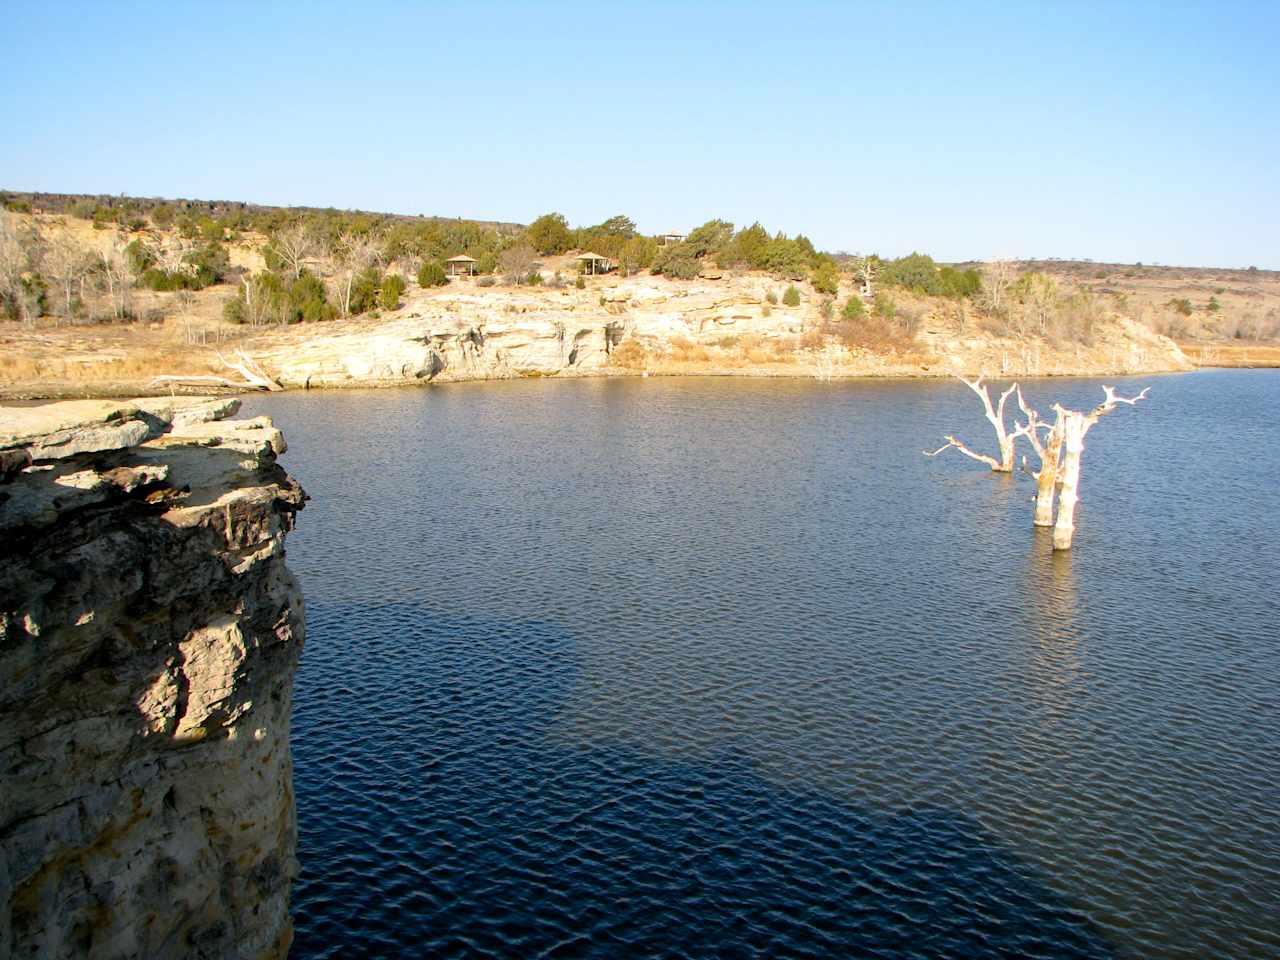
1075	426
1047	477
1005	440
1050	453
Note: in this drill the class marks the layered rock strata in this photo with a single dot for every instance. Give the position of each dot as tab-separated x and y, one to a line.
149	633
636	326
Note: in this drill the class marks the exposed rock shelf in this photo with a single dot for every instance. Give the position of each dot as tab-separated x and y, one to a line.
150	632
638	326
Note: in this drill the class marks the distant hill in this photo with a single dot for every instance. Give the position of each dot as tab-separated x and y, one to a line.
76	203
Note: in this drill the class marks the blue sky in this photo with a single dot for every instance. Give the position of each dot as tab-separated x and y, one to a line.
1111	131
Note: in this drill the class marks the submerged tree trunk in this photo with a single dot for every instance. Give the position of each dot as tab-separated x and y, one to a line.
1060	452
1073	430
1050	453
1074	427
1047	478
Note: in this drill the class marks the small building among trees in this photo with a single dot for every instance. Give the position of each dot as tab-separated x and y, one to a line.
671	239
593	263
460	266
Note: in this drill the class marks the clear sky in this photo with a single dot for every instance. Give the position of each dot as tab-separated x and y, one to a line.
1112	131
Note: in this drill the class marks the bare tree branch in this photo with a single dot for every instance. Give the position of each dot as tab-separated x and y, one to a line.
995	416
953	442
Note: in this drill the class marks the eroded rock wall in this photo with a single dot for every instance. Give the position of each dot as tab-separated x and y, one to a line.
726	327
149	633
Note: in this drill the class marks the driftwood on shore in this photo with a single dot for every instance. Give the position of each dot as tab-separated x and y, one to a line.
254	375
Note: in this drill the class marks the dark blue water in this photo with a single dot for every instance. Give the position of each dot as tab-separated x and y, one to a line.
726	668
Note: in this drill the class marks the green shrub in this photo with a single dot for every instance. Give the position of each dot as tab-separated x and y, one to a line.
549	234
211	230
162	216
785	258
209	264
139	255
389	296
365	287
772	298
638	253
1181	305
916	272
677	262
487	262
826	276
958	283
534	279
884	306
708	239
853	308
791	297
308	299
1213	306
279	300
431	274
580	283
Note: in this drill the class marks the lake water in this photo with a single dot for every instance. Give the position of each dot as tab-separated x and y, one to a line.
726	668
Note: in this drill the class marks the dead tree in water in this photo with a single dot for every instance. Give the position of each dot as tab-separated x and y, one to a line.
1049	451
1074	427
1059	452
995	415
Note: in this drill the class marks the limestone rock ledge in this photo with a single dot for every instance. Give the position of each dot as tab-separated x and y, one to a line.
149	633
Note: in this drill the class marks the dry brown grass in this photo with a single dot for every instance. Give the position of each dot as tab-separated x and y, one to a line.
631	356
684	350
95	369
1232	354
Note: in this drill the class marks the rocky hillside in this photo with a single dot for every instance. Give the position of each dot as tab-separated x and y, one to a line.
150	631
734	325
639	326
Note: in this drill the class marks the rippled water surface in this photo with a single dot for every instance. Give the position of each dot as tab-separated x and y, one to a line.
726	668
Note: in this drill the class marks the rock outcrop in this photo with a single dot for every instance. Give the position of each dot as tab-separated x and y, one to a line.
725	327
149	632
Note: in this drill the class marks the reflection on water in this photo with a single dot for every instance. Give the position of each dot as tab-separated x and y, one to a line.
725	668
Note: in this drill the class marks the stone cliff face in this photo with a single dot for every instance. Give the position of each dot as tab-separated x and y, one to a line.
149	632
645	325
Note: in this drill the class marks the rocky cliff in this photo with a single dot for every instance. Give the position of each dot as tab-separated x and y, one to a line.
648	325
149	633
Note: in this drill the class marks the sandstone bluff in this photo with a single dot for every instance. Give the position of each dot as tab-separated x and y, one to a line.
150	634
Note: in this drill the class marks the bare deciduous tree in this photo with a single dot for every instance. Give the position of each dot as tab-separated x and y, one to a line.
995	415
997	277
118	272
13	261
352	253
67	263
516	262
1039	304
294	246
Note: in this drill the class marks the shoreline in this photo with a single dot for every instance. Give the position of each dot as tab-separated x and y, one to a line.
52	392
